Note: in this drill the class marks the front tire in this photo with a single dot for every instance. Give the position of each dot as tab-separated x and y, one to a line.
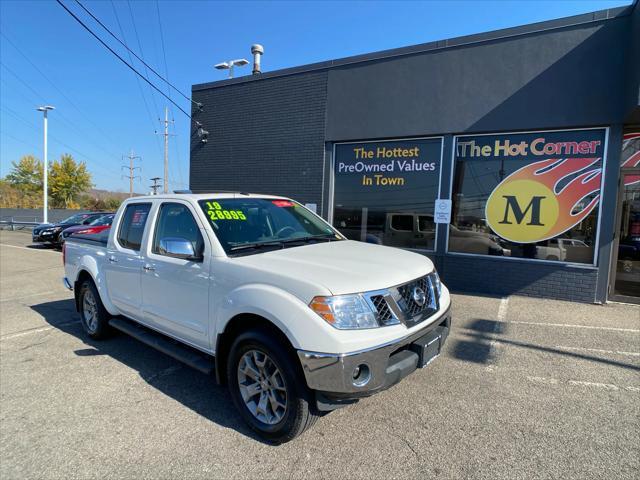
267	389
93	316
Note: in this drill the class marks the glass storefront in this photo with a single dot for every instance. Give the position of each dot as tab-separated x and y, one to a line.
528	195
531	195
627	269
384	192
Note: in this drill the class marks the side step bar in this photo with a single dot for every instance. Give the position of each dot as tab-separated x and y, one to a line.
185	354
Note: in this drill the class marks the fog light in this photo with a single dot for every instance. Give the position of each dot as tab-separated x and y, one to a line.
361	375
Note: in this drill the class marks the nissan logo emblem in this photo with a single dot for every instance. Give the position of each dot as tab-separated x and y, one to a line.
419	296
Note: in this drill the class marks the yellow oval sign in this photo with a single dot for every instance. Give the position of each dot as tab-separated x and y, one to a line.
522	211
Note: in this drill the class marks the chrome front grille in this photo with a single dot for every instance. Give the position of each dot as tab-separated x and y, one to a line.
382	308
410	303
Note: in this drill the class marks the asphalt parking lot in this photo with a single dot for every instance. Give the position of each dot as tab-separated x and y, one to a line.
526	388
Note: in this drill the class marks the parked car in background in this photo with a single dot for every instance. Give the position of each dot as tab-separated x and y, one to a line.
564	249
50	232
471	241
96	226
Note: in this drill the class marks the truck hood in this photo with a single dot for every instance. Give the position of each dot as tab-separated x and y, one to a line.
343	267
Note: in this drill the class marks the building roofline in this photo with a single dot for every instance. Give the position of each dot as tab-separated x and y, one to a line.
510	32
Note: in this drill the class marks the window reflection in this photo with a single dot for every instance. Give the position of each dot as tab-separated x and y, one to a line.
487	164
384	192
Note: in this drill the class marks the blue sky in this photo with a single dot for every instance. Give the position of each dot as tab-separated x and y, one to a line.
103	111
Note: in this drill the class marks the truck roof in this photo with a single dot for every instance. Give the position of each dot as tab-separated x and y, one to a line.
203	196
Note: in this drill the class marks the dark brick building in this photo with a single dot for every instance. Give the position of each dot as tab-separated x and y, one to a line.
373	141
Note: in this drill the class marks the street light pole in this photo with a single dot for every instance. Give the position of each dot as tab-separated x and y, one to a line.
45	187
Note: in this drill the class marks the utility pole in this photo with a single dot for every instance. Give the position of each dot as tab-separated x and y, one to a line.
132	158
155	185
166	136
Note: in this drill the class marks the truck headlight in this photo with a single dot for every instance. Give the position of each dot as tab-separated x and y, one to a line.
345	312
437	284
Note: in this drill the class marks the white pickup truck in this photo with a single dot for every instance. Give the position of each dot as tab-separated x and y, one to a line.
266	295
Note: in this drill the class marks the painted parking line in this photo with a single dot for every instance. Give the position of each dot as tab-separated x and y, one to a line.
27	248
598	350
570	325
15	299
36	330
582	383
493	344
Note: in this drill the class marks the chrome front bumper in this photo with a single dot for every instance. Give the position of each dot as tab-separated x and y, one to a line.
387	364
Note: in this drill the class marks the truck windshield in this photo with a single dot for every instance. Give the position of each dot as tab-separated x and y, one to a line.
253	225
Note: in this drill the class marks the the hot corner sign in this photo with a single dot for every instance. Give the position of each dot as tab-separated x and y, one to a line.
548	181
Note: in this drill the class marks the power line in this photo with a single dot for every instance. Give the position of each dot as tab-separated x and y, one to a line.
124	45
166	68
135	31
63	118
120	58
56	139
18	139
73	104
144	98
164	52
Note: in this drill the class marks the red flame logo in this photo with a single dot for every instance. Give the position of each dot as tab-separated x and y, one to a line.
544	199
634	158
554	172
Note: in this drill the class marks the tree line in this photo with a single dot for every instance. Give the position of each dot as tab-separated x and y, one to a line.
68	181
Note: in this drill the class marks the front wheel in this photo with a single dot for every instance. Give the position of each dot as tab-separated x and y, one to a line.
93	315
266	388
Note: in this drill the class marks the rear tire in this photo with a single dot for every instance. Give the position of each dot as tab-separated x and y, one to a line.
93	316
267	389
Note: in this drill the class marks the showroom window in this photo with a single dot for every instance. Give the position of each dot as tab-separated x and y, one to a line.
529	195
384	192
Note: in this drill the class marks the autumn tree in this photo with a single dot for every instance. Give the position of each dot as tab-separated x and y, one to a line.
26	175
67	180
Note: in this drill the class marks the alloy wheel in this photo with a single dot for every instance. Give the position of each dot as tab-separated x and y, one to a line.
89	311
262	387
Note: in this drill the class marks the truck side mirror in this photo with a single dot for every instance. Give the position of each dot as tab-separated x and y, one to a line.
178	247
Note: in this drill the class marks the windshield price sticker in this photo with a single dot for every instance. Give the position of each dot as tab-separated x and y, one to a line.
216	212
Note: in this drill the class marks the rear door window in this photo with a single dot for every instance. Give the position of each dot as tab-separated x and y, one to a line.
132	226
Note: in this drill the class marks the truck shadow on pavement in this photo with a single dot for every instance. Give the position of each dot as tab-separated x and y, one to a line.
191	388
482	335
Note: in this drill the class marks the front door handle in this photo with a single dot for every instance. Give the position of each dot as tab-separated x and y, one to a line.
149	268
113	259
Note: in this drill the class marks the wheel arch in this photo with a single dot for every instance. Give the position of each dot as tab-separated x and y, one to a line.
85	272
237	325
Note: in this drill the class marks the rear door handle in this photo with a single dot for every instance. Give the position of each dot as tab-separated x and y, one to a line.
149	268
113	259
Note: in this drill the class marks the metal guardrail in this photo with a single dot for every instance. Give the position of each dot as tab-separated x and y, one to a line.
18	223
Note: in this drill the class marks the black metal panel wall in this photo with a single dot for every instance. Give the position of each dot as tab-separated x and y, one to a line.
551	79
264	137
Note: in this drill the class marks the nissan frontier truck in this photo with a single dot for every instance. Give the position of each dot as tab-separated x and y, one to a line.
266	296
